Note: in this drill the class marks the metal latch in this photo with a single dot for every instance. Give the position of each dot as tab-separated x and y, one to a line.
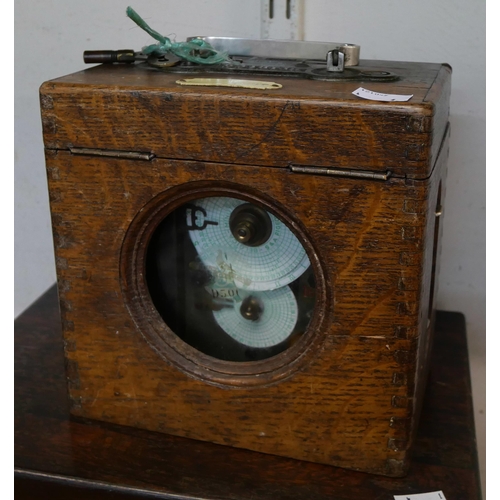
336	55
327	61
335	60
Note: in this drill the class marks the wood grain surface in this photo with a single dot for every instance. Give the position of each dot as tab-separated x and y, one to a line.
61	457
350	393
305	123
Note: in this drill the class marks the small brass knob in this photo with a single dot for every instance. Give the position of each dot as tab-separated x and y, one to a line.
250	225
245	231
251	308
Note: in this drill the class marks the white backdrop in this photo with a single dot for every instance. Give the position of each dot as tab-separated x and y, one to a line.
51	36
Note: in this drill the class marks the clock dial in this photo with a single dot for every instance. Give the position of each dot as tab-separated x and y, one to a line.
273	259
230	279
260	319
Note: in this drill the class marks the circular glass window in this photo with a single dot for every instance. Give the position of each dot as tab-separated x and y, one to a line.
230	279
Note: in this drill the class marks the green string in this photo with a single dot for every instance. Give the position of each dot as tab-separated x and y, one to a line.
196	51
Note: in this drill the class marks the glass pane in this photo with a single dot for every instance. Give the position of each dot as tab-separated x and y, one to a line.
230	279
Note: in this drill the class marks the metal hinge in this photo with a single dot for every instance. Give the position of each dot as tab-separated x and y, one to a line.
129	155
359	174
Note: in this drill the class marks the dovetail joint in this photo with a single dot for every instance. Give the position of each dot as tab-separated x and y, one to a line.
399	379
399	402
397	444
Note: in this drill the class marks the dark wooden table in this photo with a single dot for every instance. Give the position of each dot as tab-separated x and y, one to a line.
59	457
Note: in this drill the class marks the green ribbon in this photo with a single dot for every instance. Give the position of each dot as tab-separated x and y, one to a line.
196	51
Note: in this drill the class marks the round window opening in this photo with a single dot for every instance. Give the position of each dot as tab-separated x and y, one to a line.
230	279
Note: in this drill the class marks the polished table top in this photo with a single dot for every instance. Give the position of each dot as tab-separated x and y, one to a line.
61	457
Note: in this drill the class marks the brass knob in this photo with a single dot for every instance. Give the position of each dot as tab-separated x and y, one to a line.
251	308
245	230
250	225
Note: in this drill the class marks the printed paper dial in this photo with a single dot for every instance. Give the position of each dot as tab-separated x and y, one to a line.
271	321
230	279
278	261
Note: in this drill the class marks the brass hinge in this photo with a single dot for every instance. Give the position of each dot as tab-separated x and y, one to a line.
359	174
130	155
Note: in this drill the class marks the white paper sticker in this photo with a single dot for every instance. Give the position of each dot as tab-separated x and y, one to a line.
377	96
435	495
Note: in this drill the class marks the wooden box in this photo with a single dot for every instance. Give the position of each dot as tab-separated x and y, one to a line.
359	186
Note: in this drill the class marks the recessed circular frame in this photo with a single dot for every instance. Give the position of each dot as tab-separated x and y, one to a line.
166	342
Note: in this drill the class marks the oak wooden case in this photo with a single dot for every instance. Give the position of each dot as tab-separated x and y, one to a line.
126	145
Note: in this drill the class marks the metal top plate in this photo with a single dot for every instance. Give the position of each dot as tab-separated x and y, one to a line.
282	49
